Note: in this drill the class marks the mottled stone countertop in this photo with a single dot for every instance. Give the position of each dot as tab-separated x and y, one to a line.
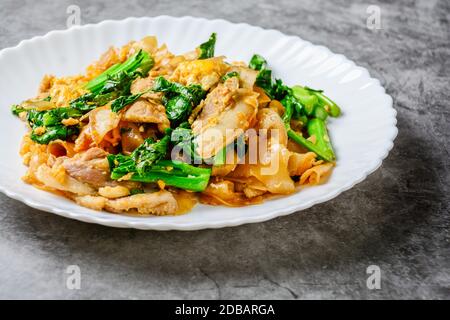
397	219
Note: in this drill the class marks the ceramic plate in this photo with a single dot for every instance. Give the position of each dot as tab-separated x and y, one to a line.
362	136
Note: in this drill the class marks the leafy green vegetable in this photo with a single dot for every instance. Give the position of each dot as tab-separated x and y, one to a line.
290	102
140	61
54	133
146	165
116	86
297	138
275	89
121	165
257	62
141	158
173	173
178	99
50	123
333	109
194	92
229	75
309	106
318	129
112	85
308	100
51	117
237	145
46	125
150	152
207	48
197	94
183	140
178	108
312	98
320	113
177	174
265	82
86	102
124	101
17	109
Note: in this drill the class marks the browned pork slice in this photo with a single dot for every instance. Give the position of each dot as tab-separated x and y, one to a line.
144	111
53	180
144	84
158	203
228	111
216	102
89	167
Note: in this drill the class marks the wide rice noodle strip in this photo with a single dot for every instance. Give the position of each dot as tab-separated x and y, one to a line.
60	148
270	124
247	76
250	186
224	193
300	162
276	181
165	62
263	98
92	202
186	201
101	121
239	201
84	140
148	44
316	174
271	168
231	161
46	176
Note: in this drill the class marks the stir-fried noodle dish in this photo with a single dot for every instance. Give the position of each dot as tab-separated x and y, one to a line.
145	131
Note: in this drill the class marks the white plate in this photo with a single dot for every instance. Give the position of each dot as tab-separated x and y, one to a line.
362	136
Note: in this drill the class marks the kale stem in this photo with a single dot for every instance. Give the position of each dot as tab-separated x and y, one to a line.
177	174
316	148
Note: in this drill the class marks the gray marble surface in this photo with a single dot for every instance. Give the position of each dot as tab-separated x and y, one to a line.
397	219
